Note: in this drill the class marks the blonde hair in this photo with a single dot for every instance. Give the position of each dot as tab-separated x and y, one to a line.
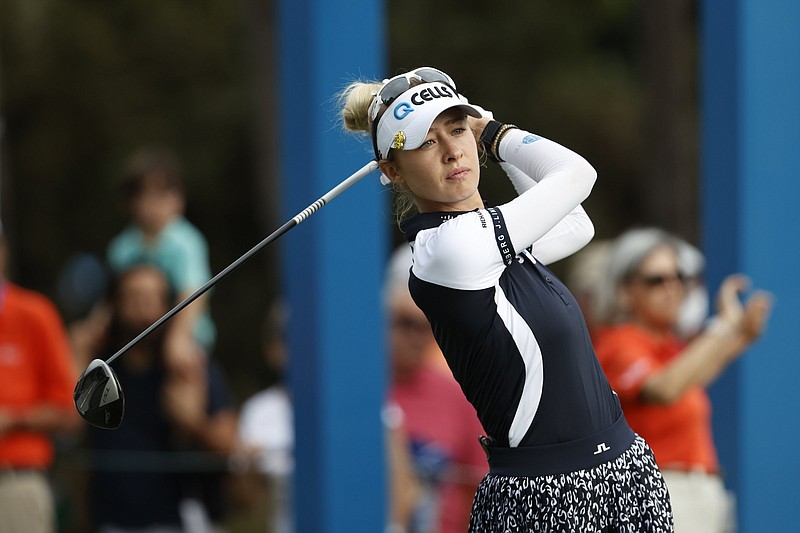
355	101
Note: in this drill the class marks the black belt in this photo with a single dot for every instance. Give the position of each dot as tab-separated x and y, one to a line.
580	454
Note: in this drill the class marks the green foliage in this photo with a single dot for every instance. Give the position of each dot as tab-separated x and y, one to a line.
86	83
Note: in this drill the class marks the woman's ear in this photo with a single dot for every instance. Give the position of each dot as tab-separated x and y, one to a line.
390	170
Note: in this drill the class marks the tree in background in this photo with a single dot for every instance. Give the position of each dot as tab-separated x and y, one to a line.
83	84
614	80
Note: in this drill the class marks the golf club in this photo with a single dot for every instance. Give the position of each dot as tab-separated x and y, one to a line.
98	393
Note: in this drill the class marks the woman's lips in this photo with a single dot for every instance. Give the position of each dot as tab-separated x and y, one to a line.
458	173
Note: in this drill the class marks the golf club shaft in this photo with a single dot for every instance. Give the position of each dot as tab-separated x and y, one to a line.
300	217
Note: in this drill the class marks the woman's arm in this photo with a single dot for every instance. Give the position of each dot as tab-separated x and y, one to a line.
560	181
703	360
569	235
461	253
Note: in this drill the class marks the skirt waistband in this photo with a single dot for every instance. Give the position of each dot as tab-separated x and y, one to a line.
581	454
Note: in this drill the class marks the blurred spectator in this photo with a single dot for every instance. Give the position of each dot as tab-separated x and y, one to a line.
588	281
37	376
266	431
441	426
266	435
404	485
585	277
661	379
695	307
82	283
159	233
163	467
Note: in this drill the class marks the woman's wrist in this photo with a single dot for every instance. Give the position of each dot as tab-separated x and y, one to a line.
491	137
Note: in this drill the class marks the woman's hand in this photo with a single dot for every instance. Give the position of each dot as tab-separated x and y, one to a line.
477	124
729	306
734	328
747	320
756	314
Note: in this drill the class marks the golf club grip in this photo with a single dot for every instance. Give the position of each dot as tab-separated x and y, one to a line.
300	217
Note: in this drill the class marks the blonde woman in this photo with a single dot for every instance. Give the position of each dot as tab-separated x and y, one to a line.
561	455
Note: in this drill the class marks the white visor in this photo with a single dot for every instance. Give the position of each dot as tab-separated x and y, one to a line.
405	123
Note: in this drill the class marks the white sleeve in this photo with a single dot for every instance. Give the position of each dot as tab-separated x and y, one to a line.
461	253
547	214
569	235
521	181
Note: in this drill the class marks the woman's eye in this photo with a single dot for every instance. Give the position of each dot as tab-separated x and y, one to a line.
427	143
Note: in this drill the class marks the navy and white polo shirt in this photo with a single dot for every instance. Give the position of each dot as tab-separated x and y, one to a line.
513	335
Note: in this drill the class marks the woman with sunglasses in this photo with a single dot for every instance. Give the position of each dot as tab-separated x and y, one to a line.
561	455
660	378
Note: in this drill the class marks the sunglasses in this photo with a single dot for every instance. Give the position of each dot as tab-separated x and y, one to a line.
394	87
659	280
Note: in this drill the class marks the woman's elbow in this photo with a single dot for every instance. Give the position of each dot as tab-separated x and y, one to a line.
585	230
582	178
588	175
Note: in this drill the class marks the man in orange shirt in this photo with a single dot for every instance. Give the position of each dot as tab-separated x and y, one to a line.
37	376
660	379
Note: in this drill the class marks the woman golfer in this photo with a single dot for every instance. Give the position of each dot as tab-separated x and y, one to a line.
561	455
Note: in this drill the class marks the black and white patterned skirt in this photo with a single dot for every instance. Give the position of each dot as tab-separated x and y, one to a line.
625	494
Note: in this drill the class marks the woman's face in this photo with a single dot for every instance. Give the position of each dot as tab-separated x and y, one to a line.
655	292
142	298
443	173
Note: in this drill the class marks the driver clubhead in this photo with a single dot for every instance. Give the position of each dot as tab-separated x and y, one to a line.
98	396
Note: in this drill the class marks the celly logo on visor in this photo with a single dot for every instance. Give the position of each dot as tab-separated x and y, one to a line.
402	110
428	94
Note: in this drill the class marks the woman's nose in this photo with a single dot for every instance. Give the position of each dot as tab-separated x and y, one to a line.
452	150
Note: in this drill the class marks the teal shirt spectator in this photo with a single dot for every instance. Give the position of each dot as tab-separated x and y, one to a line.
181	251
